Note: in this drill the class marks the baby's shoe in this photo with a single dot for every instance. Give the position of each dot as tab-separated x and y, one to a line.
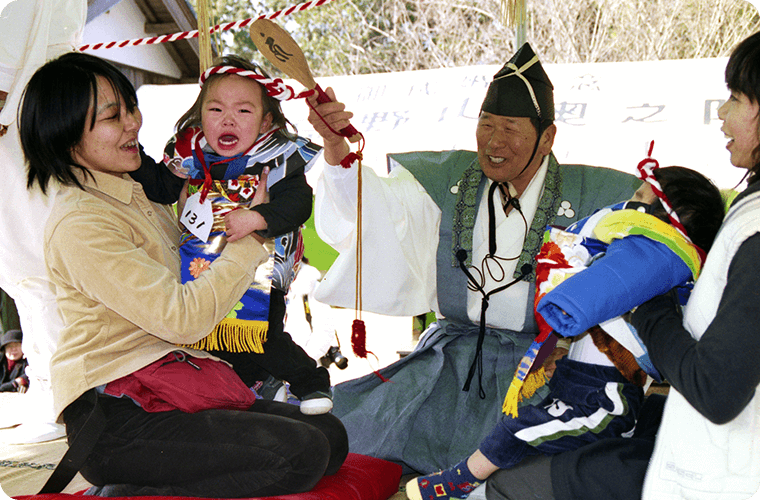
273	390
316	403
456	482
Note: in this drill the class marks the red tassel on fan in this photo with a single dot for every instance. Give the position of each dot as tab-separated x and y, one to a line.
359	343
350	159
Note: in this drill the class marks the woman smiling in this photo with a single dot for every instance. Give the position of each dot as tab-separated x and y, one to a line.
113	257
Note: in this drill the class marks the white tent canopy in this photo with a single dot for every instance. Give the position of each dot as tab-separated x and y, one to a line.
606	113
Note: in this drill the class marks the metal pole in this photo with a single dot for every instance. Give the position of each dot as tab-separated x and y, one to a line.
521	25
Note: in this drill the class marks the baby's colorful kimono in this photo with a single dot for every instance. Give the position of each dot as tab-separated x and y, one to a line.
230	184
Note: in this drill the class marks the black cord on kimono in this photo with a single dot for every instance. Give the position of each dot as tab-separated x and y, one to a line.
477	361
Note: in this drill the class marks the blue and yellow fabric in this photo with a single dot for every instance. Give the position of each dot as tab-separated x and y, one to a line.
631	258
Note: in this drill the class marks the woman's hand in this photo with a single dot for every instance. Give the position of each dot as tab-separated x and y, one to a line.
327	119
242	222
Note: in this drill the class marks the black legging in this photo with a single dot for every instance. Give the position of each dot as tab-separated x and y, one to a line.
271	449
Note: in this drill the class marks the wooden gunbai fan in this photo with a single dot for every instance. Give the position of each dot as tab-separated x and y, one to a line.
283	52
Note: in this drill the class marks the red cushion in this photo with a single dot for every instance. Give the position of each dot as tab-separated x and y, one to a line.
360	478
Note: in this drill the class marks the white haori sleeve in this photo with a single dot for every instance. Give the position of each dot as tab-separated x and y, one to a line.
400	238
34	31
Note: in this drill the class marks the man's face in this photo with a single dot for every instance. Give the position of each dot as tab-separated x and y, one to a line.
13	351
505	144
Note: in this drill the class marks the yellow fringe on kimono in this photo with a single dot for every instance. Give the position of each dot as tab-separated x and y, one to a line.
235	335
520	390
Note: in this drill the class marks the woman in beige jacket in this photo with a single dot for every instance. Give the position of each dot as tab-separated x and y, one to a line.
112	255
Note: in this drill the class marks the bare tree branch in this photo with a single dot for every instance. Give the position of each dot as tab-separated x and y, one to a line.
367	36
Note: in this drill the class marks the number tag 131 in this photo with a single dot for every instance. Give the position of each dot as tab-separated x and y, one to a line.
197	217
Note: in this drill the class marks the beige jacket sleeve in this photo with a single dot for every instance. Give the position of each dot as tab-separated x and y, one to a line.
96	261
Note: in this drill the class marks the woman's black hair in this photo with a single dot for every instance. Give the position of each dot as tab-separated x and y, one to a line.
743	75
194	115
695	199
53	114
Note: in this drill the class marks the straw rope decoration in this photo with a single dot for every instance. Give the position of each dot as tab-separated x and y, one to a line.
645	172
194	33
513	12
204	37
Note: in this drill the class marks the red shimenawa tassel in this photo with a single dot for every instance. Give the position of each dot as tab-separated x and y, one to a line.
358	329
359	338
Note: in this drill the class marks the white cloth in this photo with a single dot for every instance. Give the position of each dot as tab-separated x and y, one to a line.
583	349
23	276
317	337
400	224
400	238
694	458
32	31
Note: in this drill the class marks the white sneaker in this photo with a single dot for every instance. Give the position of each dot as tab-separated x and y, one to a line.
316	403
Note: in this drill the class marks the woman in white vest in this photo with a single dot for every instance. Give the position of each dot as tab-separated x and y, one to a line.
708	443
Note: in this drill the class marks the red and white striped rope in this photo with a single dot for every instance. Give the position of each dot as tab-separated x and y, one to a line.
645	171
194	33
275	87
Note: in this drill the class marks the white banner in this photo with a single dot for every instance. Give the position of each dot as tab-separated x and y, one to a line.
606	113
